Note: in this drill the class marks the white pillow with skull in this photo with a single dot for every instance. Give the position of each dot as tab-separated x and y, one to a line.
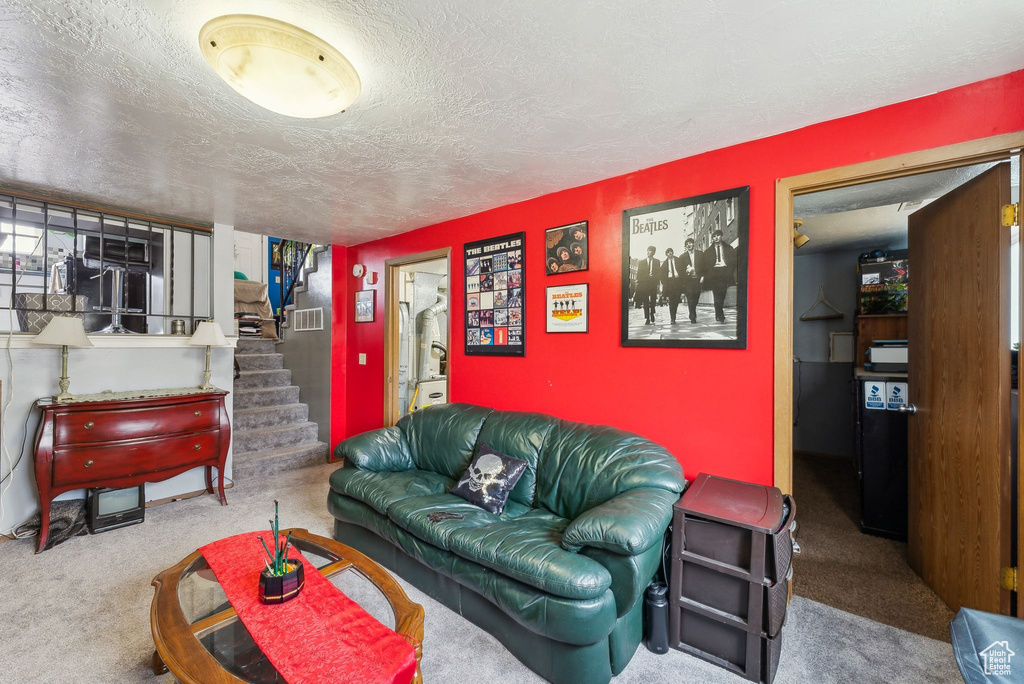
489	479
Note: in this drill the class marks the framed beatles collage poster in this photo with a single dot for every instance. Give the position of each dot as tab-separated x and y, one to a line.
495	305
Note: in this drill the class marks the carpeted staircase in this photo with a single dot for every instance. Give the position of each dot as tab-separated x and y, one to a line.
271	431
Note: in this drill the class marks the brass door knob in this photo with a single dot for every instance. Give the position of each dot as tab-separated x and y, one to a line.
196	447
89	425
198	413
88	464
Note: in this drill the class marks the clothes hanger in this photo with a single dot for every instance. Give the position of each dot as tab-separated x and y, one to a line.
829	311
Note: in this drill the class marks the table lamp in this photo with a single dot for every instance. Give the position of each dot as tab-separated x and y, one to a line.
63	332
208	334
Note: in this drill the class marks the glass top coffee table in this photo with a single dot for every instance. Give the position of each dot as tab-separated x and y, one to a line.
200	640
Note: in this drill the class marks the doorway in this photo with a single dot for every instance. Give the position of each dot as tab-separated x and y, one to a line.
926	531
417	333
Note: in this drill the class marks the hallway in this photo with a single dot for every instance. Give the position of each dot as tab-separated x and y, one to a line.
855	572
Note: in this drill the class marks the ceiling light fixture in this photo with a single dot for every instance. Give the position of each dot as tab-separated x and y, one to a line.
279	66
798	239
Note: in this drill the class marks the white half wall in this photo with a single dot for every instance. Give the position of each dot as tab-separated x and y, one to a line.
29	373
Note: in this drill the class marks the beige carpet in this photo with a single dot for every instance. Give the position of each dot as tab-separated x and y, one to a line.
80	612
855	572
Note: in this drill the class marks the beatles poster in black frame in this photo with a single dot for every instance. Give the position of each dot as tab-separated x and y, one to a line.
684	272
495	312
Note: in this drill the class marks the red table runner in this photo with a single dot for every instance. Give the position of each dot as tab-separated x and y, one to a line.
319	636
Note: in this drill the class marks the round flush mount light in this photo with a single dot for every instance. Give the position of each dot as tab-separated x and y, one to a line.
279	66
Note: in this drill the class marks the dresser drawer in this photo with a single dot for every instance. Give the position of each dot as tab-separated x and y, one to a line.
103	426
81	465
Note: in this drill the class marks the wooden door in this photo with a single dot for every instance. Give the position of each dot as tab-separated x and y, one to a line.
959	437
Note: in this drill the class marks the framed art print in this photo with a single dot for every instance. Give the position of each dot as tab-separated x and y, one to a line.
366	305
495	312
684	272
567	248
568	308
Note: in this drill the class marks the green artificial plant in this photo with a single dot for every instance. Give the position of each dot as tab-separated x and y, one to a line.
278	564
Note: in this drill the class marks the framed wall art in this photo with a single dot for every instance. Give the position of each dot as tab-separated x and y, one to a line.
366	306
495	305
568	308
567	248
684	272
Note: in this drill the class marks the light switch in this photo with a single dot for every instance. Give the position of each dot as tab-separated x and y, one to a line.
362	359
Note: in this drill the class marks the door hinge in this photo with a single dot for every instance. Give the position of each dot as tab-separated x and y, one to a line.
1008	578
1011	215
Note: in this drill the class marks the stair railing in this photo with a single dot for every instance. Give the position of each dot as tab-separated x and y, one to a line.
293	261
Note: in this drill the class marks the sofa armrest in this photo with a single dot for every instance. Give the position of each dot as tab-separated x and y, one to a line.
627	524
377	450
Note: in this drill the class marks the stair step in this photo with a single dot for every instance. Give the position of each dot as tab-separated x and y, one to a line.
270	416
259	464
281	377
247	362
265	396
277	437
255	345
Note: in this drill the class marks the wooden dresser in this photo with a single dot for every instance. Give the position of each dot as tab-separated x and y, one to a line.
126	442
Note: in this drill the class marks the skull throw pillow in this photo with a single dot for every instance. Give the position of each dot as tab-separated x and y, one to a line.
489	479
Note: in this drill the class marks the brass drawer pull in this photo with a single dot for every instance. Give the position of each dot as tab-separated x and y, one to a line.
88	464
196	447
198	413
89	425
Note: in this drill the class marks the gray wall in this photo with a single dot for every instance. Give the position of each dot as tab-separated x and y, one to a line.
308	354
822	391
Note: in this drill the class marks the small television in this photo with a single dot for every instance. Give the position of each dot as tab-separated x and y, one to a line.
113	508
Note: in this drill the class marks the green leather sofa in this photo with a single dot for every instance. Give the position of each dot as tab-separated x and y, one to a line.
559	576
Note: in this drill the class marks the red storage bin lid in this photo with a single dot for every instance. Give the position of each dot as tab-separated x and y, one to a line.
753	506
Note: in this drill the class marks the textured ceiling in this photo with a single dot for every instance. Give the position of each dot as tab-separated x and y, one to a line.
868	228
875	214
466	105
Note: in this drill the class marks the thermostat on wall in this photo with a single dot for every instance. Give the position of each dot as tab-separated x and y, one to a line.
358	270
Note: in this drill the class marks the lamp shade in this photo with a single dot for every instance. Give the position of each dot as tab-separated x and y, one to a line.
208	334
61	331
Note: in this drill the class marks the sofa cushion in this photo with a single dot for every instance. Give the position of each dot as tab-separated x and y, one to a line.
582	466
414	514
382	490
567	620
489	479
520	435
529	550
442	438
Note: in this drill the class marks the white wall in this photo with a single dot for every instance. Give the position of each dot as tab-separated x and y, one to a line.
30	373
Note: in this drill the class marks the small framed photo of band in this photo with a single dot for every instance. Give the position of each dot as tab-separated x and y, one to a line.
567	248
568	308
684	272
366	301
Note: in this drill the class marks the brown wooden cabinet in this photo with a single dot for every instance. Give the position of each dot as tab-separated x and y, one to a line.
870	327
127	442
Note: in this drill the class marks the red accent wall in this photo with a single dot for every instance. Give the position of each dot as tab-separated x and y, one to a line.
712	408
341	274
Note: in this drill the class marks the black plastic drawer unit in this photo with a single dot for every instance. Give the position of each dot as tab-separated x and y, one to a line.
732	551
749	655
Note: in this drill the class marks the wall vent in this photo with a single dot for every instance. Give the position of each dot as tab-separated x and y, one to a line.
307	320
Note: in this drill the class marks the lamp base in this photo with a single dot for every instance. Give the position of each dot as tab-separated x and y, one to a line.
63	398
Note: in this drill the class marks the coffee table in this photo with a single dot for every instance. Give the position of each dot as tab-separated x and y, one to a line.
200	639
